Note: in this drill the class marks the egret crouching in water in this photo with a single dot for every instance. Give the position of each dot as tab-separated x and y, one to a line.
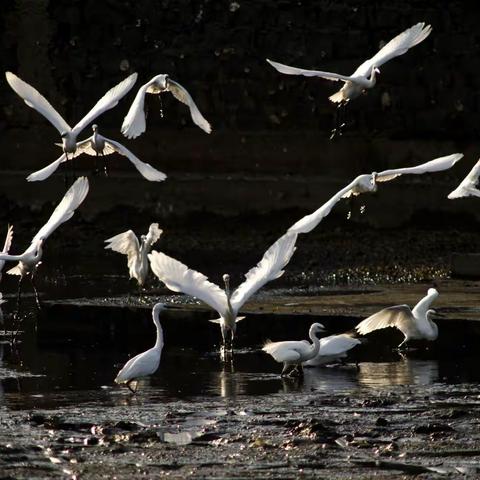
146	363
293	353
415	324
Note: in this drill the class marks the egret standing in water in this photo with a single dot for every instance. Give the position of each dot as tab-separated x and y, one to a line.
293	353
146	363
6	247
468	186
179	278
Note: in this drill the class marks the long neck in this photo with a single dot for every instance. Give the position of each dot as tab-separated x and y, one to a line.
156	321
315	347
422	306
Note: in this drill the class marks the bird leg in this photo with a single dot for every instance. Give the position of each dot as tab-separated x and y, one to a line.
19	296
37	297
402	344
287	369
161	105
104	165
133	390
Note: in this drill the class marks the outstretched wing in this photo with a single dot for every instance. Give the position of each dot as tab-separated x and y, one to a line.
108	101
335	77
399	316
179	278
396	47
269	268
125	243
468	186
45	172
65	209
153	235
181	94
34	99
436	165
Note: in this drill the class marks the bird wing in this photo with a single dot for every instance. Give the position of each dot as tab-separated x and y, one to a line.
145	169
181	94
335	77
5	257
65	209
436	165
179	278
45	172
153	235
286	351
395	47
108	101
399	316
269	268
467	187
141	365
34	99
337	344
125	243
8	239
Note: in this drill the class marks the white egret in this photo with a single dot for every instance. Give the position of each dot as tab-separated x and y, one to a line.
415	324
137	252
98	145
333	349
146	363
36	100
293	353
6	247
29	260
134	123
468	186
364	77
179	278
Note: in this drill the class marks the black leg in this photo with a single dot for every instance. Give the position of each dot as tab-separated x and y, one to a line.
19	296
161	105
134	391
37	297
105	165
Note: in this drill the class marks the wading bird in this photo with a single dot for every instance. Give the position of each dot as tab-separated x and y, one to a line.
468	186
333	349
415	324
293	353
364	76
29	260
146	363
97	145
134	123
179	278
6	247
137	252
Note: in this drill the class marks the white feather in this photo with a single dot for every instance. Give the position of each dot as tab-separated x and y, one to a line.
468	186
134	123
286	69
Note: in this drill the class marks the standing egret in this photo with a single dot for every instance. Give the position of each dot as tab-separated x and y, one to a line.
134	123
179	278
98	145
29	260
6	247
333	349
468	186
293	353
146	363
415	324
137	252
364	76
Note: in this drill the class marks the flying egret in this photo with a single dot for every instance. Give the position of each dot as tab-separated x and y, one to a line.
137	259
179	278
146	363
36	100
134	123
468	186
6	247
415	324
364	76
333	349
98	145
29	260
293	353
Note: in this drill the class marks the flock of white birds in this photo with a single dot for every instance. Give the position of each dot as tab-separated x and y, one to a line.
414	323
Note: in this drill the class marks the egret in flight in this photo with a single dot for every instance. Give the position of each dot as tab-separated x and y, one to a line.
179	278
136	251
6	247
146	363
134	123
98	145
364	76
415	324
468	186
293	353
30	259
333	349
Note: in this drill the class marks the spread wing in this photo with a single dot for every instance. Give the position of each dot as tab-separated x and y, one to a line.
337	344
179	278
108	101
36	100
125	243
8	239
153	235
181	94
468	186
396	47
269	268
45	172
65	209
399	316
308	73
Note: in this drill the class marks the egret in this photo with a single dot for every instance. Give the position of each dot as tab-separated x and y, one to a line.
468	186
293	353
179	278
137	252
364	76
415	324
36	100
333	349
146	363
134	123
30	259
98	145
6	247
